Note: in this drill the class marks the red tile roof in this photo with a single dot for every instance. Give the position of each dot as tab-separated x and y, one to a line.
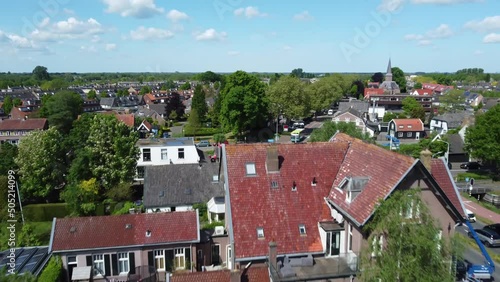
146	124
79	233
128	119
22	124
440	172
279	211
387	169
422	92
373	91
253	274
409	124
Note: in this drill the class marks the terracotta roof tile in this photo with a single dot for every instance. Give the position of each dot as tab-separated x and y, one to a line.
279	211
110	231
440	172
384	172
409	124
128	119
253	274
21	124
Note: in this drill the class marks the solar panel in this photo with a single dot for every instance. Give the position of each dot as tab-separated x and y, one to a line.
35	261
23	258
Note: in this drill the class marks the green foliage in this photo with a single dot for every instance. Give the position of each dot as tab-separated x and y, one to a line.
55	84
437	148
202	211
481	140
124	208
209	76
7	104
329	128
4	187
219	137
27	237
413	109
399	77
120	192
62	109
53	271
390	116
41	163
37	232
40	73
211	226
288	96
453	99
198	102
25	277
463	175
92	95
8	153
377	77
185	86
188	131
145	90
418	85
45	212
193	122
411	249
174	107
328	90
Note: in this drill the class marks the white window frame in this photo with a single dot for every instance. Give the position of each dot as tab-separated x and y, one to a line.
260	233
123	263
159	255
143	154
302	229
400	134
349	238
179	254
98	262
164	154
181	154
377	239
250	169
409	134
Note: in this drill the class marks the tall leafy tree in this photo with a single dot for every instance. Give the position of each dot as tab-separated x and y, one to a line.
62	109
418	85
399	77
325	92
186	86
92	95
405	244
377	77
244	103
413	109
198	102
41	73
453	100
481	140
175	105
41	163
289	97
145	90
7	105
329	128
8	153
194	122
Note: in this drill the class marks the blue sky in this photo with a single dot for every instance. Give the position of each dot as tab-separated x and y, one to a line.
258	35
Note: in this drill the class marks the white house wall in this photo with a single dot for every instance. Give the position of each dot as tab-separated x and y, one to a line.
190	155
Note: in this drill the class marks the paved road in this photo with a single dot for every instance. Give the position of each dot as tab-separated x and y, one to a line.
477	225
474	257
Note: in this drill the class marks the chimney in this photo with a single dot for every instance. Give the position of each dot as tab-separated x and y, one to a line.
235	276
425	158
272	160
273	255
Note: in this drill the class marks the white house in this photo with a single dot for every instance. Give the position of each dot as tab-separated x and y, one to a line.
351	115
165	151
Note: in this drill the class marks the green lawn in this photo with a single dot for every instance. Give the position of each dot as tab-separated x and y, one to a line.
41	230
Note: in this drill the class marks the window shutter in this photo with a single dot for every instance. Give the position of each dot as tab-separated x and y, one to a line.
169	256
114	264
131	259
107	265
89	260
151	261
187	253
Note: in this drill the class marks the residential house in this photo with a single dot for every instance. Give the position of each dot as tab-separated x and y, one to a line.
160	109
421	92
369	92
30	260
108	103
352	115
437	88
179	187
305	215
144	112
91	106
131	247
164	151
489	103
19	113
410	128
395	102
128	119
447	121
457	154
144	129
247	274
473	99
160	97
13	130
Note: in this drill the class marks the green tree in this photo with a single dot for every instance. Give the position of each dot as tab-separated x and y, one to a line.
62	109
198	102
25	277
41	163
329	128
7	104
40	73
244	103
377	77
17	102
193	121
390	116
289	97
399	77
405	242
418	85
298	73
453	99
8	153
92	95
27	238
209	76
145	90
4	187
325	92
175	105
170	84
53	271
274	78
82	197
481	140
413	109
186	86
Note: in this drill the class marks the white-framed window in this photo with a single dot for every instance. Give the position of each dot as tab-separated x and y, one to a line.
377	244
99	265
146	155
349	238
250	169
439	236
164	154
123	263
302	229
260	232
180	153
179	258
408	134
160	259
71	259
400	134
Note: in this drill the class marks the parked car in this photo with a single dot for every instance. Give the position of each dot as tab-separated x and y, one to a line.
470	215
471	165
494	227
489	237
203	143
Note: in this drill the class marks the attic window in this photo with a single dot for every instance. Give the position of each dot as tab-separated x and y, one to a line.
294	186
343	184
128	226
260	232
401	126
313	182
148	233
274	184
409	126
250	169
302	229
215	179
162	194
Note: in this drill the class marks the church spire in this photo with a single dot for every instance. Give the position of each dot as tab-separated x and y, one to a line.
389	68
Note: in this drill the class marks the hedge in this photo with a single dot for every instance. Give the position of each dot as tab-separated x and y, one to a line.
45	212
53	270
201	131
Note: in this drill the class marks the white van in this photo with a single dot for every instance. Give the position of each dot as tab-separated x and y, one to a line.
470	215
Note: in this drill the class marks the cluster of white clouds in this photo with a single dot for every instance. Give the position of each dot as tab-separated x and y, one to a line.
397	5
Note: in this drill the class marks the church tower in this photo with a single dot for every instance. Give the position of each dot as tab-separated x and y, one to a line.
388	75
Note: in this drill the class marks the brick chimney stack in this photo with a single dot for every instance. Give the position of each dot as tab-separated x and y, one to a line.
235	275
425	158
273	254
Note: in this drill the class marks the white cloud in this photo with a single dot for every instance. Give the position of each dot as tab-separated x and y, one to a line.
176	16
68	29
249	12
110	47
95	38
391	5
133	8
492	38
210	35
443	2
488	23
150	33
440	32
424	42
45	22
394	6
286	47
18	43
303	16
233	53
90	49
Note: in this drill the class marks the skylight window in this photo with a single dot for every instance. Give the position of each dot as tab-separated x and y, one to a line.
274	184
250	169
260	232
302	229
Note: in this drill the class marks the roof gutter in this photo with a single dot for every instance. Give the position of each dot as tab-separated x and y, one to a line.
128	246
52	231
229	216
279	256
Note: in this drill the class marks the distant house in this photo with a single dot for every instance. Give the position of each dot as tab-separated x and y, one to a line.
447	121
164	151
369	92
131	247
91	106
411	128
352	115
108	103
178	187
457	153
145	111
13	131
489	103
144	129
156	98
421	92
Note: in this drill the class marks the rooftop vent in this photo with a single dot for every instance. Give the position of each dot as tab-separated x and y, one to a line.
294	186
128	226
72	229
148	233
313	182
272	160
162	194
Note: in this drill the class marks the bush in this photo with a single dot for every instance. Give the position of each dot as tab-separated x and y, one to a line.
463	176
177	123
124	208
211	226
201	131
45	212
52	271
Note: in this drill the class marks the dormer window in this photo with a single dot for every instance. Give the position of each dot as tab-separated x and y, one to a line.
250	169
215	179
274	184
302	229
260	233
294	186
